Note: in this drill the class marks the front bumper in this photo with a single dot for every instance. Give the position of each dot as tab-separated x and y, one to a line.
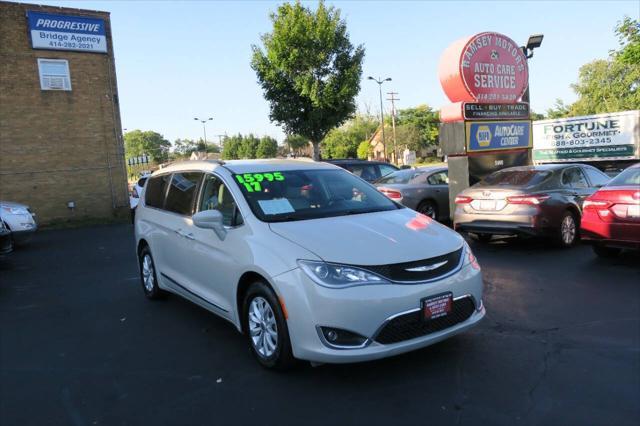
364	310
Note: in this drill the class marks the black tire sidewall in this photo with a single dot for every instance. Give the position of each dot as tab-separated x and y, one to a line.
282	358
156	292
422	206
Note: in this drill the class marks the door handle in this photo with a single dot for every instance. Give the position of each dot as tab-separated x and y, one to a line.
179	232
189	236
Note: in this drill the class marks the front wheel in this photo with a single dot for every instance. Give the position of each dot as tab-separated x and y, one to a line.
266	328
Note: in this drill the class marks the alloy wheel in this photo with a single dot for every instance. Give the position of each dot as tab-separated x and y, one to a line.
148	276
568	229
428	210
262	327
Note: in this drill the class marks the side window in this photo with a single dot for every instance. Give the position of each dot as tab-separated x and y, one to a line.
574	178
596	177
439	178
156	188
385	170
182	192
216	196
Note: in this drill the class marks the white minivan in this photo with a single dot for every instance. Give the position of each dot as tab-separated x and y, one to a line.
304	258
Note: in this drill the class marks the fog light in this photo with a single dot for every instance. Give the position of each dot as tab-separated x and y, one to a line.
338	337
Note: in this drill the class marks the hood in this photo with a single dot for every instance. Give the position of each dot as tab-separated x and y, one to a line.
372	238
12	204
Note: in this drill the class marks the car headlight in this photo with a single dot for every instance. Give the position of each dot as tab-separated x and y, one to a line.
338	276
469	257
15	210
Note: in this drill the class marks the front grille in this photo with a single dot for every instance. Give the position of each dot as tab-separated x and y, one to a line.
412	325
398	271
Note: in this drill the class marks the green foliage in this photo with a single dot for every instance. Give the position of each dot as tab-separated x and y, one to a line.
363	150
137	142
248	147
417	128
608	85
343	142
267	148
295	143
309	70
184	147
628	32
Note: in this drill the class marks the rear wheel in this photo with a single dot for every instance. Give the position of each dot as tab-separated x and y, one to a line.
428	208
567	234
266	328
604	251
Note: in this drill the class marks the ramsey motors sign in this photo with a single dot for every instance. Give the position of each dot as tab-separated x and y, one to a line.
65	32
594	137
488	67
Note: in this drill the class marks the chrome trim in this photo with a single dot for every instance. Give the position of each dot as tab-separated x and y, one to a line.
394	316
427	268
340	347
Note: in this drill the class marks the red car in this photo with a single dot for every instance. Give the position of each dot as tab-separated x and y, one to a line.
611	216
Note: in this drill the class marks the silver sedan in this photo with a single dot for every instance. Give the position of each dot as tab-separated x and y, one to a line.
423	189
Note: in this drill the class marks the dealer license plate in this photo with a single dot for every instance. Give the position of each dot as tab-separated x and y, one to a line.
633	211
487	205
437	306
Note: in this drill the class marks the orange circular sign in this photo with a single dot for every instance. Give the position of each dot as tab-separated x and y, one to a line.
487	67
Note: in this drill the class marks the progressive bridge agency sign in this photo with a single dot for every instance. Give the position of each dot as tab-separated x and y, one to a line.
66	32
498	135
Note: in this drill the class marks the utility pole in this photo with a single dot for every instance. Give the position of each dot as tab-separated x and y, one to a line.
380	81
393	100
204	127
220	138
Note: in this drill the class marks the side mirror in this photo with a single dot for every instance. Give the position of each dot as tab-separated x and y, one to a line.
210	219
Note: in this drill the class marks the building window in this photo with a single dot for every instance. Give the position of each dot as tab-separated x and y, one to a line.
54	74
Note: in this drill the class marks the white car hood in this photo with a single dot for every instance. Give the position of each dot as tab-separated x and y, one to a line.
372	238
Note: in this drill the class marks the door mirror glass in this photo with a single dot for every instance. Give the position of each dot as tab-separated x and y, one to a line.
210	219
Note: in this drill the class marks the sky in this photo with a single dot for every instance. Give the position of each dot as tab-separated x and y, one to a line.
177	60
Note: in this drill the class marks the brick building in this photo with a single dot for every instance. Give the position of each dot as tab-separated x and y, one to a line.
60	130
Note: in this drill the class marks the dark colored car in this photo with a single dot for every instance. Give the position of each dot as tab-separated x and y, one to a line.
611	216
423	189
6	242
543	200
367	170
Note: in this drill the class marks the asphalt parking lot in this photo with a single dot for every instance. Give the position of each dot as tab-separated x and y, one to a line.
80	345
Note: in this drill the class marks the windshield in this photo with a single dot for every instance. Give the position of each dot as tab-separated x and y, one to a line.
630	177
402	176
515	178
309	194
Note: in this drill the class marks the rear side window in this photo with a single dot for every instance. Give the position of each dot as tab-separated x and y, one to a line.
141	181
574	178
516	177
629	177
368	172
156	188
182	192
596	177
440	178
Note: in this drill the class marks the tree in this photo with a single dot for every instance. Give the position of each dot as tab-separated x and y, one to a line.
628	32
343	142
296	143
559	110
309	71
417	128
267	148
137	142
231	148
364	149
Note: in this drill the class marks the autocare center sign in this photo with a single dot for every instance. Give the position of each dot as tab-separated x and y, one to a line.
498	135
594	137
66	32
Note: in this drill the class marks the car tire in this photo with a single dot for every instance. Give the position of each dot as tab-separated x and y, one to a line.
266	328
149	276
428	208
568	231
604	251
484	238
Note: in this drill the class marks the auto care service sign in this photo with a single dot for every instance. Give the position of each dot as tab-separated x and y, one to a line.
594	137
488	68
498	135
65	32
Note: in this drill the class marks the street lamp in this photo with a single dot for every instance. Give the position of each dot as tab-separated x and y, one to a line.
204	127
379	81
534	41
